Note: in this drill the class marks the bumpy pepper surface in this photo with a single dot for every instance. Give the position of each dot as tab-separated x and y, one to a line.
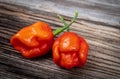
34	40
70	50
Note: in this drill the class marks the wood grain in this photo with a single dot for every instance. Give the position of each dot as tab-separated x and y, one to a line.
98	23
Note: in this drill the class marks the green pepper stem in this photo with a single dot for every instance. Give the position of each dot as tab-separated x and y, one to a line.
66	26
64	22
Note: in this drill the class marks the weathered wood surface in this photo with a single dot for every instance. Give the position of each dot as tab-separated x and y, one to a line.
98	22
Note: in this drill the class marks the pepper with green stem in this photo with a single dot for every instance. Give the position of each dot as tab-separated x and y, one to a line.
70	50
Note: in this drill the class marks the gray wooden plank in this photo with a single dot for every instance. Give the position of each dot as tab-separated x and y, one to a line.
88	9
101	32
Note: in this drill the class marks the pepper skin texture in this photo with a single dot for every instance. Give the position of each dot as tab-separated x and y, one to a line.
70	50
34	40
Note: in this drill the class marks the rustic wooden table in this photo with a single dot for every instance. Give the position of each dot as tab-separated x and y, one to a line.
98	23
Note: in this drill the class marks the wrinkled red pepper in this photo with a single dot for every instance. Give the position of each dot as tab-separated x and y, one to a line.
34	40
70	50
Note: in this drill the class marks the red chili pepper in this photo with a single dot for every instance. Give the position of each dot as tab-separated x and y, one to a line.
35	40
70	50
